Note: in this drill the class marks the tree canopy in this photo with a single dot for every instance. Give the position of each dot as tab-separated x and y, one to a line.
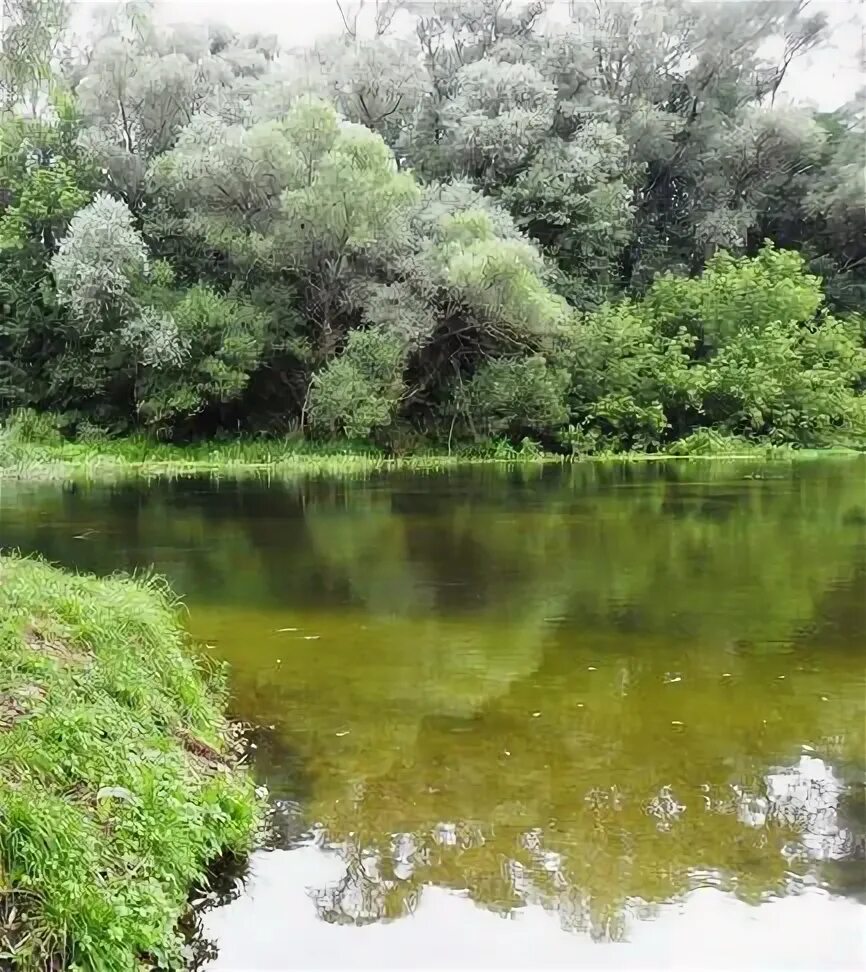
608	231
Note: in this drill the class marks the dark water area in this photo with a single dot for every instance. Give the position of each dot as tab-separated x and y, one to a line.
607	716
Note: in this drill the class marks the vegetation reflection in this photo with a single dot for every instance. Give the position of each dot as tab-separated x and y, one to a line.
592	688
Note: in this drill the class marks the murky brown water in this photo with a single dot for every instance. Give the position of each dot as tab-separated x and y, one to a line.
605	716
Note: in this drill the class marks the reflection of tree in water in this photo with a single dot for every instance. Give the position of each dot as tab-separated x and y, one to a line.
223	883
281	767
622	545
624	792
675	627
846	872
367	892
796	818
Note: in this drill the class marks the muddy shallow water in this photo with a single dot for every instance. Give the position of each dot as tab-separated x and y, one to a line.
607	716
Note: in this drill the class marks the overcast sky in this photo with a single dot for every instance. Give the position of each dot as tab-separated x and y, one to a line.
828	78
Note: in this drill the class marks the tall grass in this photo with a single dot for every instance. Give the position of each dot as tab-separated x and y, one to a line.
118	781
31	449
138	455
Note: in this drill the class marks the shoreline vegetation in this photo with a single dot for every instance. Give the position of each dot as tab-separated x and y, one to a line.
497	238
120	779
492	227
144	457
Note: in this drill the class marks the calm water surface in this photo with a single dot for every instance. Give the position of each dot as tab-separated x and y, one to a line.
606	716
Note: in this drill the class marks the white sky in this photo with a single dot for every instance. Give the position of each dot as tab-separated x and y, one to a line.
829	77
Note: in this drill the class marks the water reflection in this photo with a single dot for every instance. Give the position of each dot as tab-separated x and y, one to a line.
272	927
600	694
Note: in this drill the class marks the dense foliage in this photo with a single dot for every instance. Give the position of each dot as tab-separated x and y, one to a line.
609	232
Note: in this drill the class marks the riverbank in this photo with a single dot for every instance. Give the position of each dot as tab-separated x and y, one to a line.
119	780
140	456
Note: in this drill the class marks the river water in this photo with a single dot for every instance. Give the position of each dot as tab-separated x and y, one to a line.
606	716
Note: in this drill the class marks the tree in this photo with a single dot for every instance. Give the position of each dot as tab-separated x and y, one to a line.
831	226
99	264
197	353
44	181
140	84
746	347
500	224
576	199
30	32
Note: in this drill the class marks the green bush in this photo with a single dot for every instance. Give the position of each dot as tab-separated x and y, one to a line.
745	349
710	442
788	383
91	432
518	395
358	391
198	352
732	294
628	382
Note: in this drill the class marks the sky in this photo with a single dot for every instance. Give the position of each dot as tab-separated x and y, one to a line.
828	77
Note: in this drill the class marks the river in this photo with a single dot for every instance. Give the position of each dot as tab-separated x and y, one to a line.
605	715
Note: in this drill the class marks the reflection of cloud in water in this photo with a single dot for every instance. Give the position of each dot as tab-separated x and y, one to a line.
273	926
805	797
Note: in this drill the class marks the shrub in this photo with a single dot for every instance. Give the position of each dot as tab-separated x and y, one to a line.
789	383
358	391
732	294
516	395
199	353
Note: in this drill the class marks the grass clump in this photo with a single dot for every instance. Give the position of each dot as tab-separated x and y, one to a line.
119	783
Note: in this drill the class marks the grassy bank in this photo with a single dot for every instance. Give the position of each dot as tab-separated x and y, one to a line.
118	782
140	456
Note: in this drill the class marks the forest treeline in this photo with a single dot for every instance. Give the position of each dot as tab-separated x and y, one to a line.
606	231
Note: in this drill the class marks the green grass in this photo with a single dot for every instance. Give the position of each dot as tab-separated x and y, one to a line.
32	446
119	782
140	456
